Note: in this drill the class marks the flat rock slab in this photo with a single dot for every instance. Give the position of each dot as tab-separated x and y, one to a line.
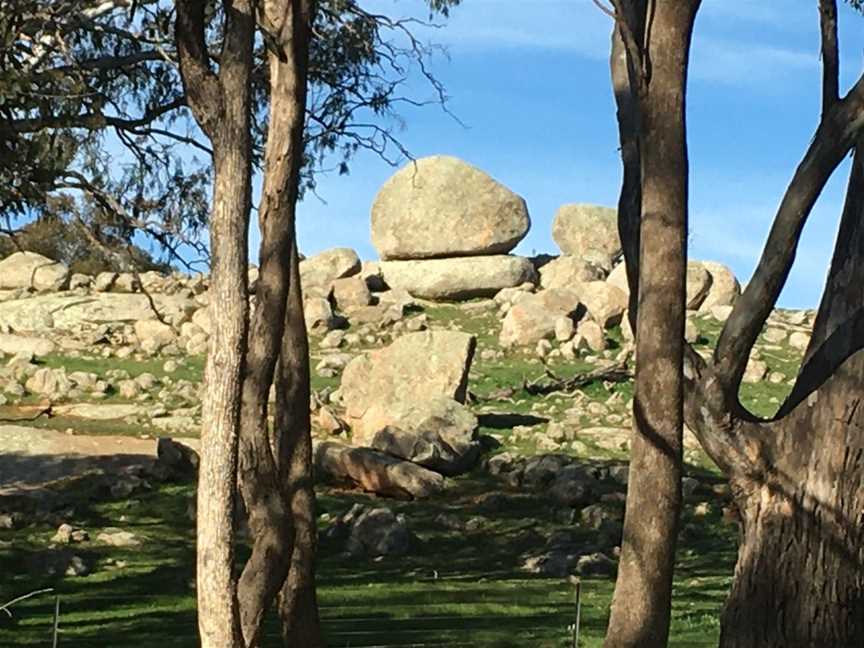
458	278
99	411
31	458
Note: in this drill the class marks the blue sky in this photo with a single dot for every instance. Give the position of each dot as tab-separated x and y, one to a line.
529	80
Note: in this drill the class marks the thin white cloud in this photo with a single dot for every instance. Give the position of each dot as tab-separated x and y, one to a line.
736	62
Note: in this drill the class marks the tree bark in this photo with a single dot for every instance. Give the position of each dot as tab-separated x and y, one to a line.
298	604
265	486
221	105
799	580
642	602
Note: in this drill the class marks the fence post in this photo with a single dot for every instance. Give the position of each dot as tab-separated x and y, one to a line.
577	582
56	621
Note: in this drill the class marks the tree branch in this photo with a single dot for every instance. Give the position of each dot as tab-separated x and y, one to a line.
200	83
833	139
91	121
830	54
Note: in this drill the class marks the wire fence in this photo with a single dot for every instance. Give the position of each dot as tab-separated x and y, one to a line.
464	622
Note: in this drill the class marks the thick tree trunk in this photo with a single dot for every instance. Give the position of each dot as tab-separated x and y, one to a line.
799	581
298	605
642	602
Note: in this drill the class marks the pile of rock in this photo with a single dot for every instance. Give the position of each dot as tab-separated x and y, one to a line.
443	229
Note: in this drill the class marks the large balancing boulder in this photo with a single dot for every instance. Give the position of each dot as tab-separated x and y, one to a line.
31	270
441	206
458	278
414	368
589	232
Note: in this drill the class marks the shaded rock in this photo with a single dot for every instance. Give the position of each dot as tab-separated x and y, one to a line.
439	434
374	532
533	316
390	375
596	564
441	206
572	486
375	471
322	269
589	232
698	284
458	277
177	460
31	270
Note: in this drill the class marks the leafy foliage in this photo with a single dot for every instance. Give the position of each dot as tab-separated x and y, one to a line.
91	105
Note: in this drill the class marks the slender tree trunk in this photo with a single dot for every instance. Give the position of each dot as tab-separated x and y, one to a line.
265	484
217	609
221	104
298	606
642	602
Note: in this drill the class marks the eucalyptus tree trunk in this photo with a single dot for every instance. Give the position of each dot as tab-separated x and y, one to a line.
267	462
298	602
656	101
797	478
220	102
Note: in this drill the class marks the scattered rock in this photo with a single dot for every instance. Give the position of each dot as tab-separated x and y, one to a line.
324	268
375	471
724	290
31	270
698	284
589	232
533	316
439	433
118	538
569	272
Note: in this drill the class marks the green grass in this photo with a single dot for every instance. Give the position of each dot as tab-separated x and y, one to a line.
456	588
